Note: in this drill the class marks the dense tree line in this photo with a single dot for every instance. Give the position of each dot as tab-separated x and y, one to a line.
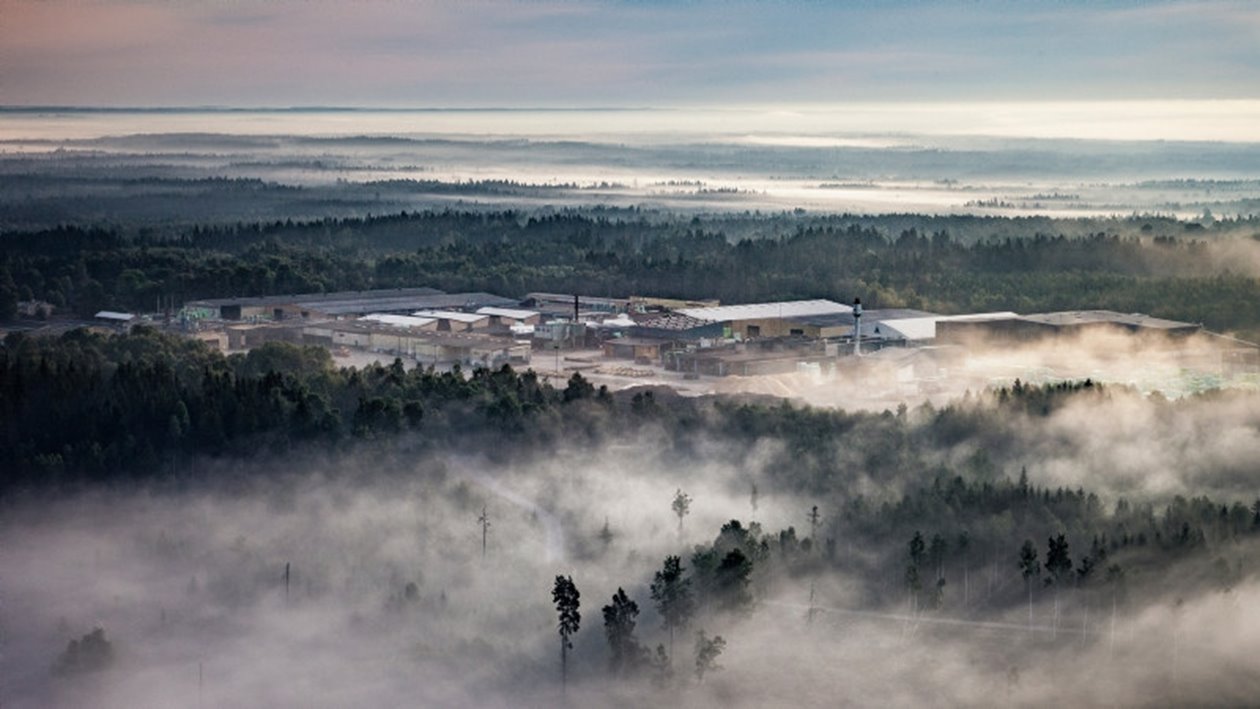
87	407
943	264
961	540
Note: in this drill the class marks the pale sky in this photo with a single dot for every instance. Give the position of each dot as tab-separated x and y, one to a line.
475	53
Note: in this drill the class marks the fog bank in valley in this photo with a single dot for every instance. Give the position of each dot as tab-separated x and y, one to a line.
389	600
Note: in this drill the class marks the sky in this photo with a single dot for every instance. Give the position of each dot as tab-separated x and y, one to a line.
583	53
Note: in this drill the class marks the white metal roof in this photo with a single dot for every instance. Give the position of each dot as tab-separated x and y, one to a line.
621	320
759	311
453	315
398	320
925	328
509	313
113	315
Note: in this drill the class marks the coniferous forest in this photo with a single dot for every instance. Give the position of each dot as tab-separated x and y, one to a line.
1156	265
993	525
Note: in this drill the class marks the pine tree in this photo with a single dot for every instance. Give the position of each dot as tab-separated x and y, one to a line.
1059	565
707	652
567	599
1030	569
681	507
673	597
620	618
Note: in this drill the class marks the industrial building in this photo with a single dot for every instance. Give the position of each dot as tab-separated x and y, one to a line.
454	320
408	321
750	358
117	320
423	345
833	325
1027	328
921	329
641	350
676	327
692	337
567	304
342	304
510	316
765	319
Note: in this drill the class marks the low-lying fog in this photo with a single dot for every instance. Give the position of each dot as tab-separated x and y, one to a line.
389	600
882	378
861	161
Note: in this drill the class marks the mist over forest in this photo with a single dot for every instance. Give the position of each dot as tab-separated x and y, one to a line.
872	555
173	169
273	526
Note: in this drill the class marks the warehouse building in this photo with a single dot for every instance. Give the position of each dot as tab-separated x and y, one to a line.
1029	328
921	329
342	304
645	351
840	325
755	320
404	321
423	345
676	327
506	317
454	320
749	359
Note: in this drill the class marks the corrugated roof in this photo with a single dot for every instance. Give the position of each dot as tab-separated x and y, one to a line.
673	321
412	303
762	311
400	300
509	313
567	299
1082	317
399	320
450	315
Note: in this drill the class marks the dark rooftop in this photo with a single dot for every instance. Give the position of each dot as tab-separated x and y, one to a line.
312	298
673	321
1084	317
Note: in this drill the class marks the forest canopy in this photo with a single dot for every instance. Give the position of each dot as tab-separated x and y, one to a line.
1152	265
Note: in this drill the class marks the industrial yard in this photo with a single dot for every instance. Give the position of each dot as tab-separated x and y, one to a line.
804	349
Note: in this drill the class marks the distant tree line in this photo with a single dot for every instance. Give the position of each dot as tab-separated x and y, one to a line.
934	263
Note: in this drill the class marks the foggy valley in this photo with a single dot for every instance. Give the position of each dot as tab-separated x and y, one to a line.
137	168
597	353
391	601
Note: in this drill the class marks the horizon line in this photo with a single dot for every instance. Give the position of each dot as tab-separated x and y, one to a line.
784	105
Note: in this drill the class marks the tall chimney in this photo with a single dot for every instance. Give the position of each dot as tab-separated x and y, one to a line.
857	327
